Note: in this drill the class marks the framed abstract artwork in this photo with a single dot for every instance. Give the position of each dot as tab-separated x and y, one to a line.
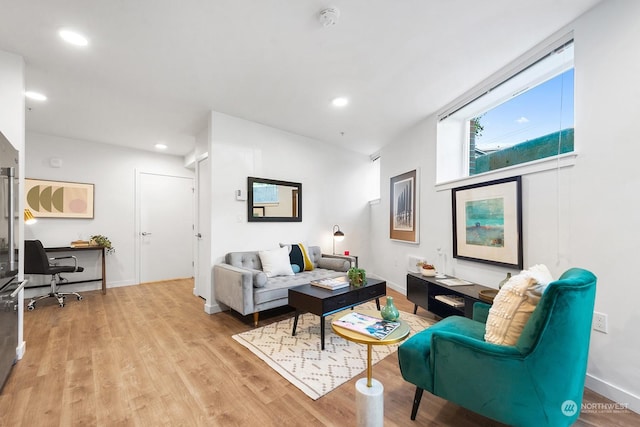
487	222
403	215
59	199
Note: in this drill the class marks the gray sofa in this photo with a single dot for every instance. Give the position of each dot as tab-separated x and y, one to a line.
241	284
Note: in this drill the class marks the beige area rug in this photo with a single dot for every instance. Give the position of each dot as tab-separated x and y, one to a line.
300	360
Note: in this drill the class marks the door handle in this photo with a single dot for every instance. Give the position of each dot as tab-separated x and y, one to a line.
144	233
199	236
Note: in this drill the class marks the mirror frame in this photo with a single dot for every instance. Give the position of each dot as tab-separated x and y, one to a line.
251	218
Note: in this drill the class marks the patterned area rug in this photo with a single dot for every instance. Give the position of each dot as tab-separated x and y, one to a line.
300	360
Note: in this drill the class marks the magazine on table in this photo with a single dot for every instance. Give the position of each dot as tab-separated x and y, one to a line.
367	325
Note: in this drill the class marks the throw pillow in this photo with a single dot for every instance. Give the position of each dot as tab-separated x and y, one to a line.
276	262
514	304
299	255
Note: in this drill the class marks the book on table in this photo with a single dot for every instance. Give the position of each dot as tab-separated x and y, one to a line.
455	282
452	300
367	325
332	283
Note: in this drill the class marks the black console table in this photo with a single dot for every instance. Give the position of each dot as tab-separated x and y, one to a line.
422	291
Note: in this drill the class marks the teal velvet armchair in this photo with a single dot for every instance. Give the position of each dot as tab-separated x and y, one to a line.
539	381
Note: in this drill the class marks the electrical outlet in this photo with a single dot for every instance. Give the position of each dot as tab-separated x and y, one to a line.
600	322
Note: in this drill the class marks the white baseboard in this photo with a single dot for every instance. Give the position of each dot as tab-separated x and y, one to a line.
615	393
76	287
212	308
20	350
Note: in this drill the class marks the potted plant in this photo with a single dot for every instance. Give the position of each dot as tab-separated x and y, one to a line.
426	269
357	276
99	240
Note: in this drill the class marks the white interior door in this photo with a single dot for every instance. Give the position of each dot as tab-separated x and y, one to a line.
165	227
203	229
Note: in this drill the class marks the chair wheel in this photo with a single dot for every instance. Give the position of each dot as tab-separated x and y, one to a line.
79	297
31	307
61	304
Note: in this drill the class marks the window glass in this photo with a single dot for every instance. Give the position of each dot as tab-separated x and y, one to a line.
535	124
265	193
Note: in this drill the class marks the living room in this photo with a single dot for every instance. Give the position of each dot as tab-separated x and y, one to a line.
568	211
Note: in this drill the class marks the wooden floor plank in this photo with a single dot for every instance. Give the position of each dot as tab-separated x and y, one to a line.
148	355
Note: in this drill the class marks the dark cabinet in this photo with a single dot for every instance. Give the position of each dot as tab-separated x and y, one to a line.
424	291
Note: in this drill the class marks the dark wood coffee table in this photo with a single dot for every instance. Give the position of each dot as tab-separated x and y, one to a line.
323	302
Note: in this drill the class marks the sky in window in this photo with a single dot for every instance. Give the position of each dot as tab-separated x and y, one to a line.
542	110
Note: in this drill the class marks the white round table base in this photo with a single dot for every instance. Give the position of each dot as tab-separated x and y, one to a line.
369	403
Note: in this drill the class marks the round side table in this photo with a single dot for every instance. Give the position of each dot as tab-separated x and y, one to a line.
369	392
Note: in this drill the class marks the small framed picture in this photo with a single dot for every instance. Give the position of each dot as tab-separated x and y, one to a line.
403	214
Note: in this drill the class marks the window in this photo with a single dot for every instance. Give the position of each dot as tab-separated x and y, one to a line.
523	117
265	193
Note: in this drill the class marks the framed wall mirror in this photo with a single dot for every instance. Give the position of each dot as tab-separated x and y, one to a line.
270	200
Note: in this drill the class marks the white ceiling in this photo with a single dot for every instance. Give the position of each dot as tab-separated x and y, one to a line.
155	68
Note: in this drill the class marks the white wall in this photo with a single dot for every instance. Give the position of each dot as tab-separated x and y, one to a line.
112	169
583	216
333	182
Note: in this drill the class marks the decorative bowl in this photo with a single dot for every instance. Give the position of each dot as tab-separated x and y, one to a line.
487	295
428	271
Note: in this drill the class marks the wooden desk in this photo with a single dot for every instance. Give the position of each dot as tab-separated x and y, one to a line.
69	249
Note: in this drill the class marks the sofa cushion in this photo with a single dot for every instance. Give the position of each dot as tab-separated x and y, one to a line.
278	287
338	264
275	262
259	278
514	304
249	259
299	255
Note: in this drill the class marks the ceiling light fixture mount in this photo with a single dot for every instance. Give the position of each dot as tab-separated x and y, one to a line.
36	96
340	101
73	37
329	17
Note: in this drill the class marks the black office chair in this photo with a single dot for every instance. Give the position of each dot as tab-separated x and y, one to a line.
37	262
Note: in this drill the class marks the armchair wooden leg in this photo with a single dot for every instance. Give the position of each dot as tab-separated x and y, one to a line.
416	402
255	319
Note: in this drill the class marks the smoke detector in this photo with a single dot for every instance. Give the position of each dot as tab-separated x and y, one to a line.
329	17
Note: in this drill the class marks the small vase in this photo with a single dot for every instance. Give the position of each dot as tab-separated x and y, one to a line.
389	311
504	281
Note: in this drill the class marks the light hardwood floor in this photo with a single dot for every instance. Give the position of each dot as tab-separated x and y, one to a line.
148	355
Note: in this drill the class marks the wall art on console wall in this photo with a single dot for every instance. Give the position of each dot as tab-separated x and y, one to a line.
58	199
487	222
403	215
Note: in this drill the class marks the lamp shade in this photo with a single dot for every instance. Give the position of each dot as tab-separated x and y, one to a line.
338	235
29	218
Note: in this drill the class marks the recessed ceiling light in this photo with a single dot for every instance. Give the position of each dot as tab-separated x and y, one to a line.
340	101
74	38
161	146
35	96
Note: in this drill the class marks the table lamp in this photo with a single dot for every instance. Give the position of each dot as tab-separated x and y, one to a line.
29	218
338	236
